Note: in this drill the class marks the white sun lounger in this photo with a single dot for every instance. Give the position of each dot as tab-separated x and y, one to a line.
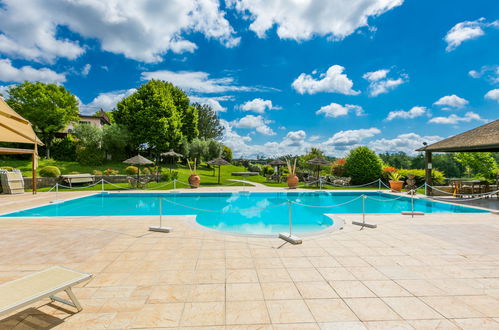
44	284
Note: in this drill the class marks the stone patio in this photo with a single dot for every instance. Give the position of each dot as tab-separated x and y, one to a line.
437	271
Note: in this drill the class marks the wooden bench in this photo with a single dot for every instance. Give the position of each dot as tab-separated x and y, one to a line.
78	178
44	284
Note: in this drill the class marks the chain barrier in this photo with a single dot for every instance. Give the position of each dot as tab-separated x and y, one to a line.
327	206
352	186
216	211
478	196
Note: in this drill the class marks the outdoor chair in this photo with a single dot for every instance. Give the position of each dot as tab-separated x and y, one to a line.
137	183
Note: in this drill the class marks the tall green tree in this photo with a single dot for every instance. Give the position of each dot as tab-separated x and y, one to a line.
151	116
49	108
209	126
89	144
115	140
477	163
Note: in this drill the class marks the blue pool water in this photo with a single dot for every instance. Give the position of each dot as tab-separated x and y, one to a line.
255	213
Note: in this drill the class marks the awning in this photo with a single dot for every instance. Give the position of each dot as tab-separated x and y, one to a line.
14	128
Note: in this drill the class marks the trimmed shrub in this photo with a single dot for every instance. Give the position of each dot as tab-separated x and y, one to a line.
227	153
97	172
110	171
363	165
146	171
267	170
131	170
165	176
50	172
254	168
174	175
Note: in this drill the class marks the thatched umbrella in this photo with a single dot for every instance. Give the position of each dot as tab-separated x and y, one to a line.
319	161
218	161
138	160
278	163
171	154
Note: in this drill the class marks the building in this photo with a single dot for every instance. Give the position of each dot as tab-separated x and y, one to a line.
99	119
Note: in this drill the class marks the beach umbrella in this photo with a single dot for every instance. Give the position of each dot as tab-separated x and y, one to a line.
218	161
171	154
318	161
278	163
138	160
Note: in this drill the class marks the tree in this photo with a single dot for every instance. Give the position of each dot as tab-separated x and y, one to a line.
477	163
49	108
209	126
89	141
151	117
115	140
363	165
214	149
198	149
397	160
227	153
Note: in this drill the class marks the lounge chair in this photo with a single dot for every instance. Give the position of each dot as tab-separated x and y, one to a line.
44	284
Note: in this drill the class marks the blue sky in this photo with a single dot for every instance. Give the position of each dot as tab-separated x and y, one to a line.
284	76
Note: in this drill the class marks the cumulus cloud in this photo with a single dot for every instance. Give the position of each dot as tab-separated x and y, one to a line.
466	30
86	69
452	101
10	73
333	81
351	137
302	20
336	110
407	143
140	30
379	83
410	114
213	102
105	101
197	81
493	95
258	105
489	72
258	123
4	90
454	119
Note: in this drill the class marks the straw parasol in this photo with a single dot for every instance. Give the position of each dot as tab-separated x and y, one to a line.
218	161
138	160
318	161
278	163
171	154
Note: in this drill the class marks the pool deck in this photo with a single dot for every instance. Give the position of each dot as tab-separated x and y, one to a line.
427	272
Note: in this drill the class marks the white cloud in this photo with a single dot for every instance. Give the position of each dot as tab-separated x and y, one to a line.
333	81
466	30
196	81
213	102
140	30
351	137
254	122
489	72
380	84
314	138
407	143
258	105
86	69
493	95
302	20
4	90
454	119
10	73
453	101
106	101
336	110
410	114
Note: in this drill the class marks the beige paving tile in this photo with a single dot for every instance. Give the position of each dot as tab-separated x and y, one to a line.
296	326
330	310
442	324
411	308
488	306
304	274
246	312
273	275
248	327
289	311
158	315
477	323
386	289
336	274
169	293
351	289
420	288
207	293
388	325
314	290
451	307
203	314
371	309
342	326
243	291
242	276
280	290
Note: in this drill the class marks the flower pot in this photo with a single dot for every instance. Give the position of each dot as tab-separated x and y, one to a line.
396	185
292	181
194	181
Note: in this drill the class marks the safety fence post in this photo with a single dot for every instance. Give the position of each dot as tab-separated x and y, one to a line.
288	237
160	228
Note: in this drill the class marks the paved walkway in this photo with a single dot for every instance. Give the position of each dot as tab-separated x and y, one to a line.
435	271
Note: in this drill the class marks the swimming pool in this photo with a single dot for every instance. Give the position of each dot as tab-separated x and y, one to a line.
242	212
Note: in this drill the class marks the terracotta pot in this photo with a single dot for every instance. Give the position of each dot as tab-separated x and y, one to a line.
292	181
396	185
194	181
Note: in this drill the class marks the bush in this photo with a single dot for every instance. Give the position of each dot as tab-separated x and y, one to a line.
437	176
74	172
227	153
363	165
97	172
131	170
254	168
267	170
89	156
146	171
7	168
63	149
50	172
110	171
338	168
174	175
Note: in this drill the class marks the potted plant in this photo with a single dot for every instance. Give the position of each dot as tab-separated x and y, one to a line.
395	183
292	179
194	179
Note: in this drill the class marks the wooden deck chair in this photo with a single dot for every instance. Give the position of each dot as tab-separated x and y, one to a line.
44	284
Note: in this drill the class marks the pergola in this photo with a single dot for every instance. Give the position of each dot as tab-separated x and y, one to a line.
481	139
16	129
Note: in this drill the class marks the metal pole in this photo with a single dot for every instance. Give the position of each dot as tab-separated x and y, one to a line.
56	190
160	212
363	209
425	192
379	184
174	184
412	203
102	185
290	213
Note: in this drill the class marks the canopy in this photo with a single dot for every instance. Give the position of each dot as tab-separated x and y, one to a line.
218	161
14	128
138	160
171	153
318	161
277	162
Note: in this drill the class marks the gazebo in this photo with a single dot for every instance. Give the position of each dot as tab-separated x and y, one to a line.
278	163
484	138
16	129
318	161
